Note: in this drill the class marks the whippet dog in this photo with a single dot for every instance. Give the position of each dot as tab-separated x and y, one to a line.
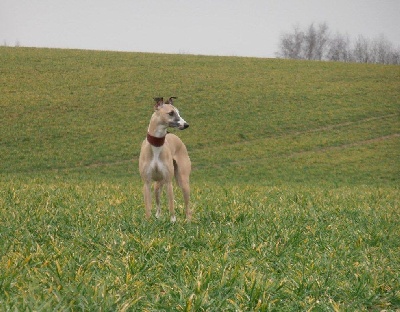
164	155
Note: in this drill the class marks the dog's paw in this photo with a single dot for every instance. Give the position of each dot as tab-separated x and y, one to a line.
173	219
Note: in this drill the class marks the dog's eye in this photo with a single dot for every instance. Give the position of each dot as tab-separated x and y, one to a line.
171	113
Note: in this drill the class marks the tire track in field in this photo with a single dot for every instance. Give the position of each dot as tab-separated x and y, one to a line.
134	161
97	164
293	133
301	153
344	124
347	145
302	132
248	160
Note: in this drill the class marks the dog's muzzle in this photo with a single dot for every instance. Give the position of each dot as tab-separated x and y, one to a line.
185	125
179	125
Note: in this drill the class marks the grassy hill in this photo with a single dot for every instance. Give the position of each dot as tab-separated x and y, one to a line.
253	120
295	184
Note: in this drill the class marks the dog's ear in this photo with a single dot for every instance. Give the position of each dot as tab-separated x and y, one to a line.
171	100
159	102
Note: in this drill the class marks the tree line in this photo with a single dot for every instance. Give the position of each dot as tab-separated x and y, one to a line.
318	43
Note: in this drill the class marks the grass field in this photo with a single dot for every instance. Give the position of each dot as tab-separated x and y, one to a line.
295	184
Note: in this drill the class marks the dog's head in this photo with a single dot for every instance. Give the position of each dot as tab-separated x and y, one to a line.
169	114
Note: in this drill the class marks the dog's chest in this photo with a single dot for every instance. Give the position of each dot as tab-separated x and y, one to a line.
158	168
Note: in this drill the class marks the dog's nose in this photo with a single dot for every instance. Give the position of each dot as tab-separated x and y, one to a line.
186	125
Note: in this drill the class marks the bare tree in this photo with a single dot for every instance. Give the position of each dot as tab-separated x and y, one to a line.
291	44
381	50
339	48
310	43
361	51
322	41
316	43
395	57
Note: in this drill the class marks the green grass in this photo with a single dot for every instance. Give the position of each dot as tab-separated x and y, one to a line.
87	247
71	111
295	184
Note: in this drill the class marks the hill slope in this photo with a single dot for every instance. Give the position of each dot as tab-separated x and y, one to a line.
266	121
279	150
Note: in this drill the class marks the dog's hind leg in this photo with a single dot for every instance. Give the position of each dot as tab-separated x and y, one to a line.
182	178
157	190
186	196
170	193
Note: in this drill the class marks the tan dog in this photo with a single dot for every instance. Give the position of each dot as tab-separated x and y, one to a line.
164	155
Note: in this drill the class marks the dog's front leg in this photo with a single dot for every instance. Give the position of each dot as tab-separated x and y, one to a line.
147	198
157	191
170	193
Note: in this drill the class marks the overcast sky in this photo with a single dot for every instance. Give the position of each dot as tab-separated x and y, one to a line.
211	27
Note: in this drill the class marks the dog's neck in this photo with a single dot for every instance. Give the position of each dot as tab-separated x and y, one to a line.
156	133
157	142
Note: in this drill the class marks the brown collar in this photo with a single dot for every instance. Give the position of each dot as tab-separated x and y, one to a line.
157	142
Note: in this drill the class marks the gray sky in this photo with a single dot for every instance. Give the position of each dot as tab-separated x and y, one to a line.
211	27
